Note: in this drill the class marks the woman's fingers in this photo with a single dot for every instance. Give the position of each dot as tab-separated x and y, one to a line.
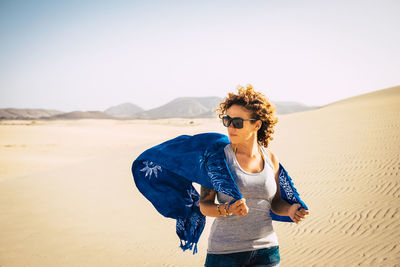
299	215
239	208
242	212
302	213
295	214
238	203
297	219
244	209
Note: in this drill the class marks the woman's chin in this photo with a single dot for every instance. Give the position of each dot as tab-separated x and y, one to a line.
233	137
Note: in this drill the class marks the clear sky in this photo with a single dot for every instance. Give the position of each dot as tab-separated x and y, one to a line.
90	55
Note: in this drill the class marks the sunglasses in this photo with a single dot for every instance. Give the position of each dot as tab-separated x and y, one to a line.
237	122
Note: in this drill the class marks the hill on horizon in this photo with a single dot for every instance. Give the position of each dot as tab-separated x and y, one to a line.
181	107
79	115
124	110
27	113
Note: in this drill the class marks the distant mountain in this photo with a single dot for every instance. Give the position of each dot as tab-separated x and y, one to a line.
80	115
26	113
286	107
183	107
210	102
204	107
124	110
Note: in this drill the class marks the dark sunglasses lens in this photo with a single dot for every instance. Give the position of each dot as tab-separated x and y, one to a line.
226	121
237	123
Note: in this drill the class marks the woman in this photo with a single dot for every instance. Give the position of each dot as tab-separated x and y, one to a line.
242	233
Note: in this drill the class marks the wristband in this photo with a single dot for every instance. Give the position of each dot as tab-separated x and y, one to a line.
219	212
226	210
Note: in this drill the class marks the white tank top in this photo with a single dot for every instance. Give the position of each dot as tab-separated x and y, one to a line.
254	231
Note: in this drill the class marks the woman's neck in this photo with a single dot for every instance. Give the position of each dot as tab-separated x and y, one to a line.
250	149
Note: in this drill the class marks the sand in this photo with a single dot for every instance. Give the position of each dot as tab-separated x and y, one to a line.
67	197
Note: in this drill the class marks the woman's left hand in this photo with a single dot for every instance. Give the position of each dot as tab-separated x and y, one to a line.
297	215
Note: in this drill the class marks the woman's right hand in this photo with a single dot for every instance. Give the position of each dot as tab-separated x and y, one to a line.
239	208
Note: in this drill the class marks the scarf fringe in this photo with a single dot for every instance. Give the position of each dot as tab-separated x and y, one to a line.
188	245
189	229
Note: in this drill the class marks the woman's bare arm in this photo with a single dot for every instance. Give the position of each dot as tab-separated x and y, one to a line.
279	206
207	203
209	208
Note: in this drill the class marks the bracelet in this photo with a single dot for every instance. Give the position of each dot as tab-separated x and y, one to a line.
225	207
219	212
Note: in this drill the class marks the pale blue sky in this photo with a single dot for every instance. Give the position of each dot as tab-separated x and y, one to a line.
90	55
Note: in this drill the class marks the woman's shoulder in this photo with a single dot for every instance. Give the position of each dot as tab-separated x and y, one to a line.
274	159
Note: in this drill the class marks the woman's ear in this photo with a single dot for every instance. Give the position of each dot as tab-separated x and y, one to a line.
259	124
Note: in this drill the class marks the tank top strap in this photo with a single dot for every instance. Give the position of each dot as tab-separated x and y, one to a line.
267	158
264	155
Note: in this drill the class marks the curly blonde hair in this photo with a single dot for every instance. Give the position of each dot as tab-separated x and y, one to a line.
261	108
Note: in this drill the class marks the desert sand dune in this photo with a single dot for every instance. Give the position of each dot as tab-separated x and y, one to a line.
67	197
344	157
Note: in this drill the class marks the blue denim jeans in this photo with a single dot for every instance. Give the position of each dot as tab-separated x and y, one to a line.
260	258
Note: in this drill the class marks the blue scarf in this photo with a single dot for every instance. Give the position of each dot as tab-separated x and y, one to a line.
164	175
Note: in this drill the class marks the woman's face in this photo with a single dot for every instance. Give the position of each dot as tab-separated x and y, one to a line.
248	131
